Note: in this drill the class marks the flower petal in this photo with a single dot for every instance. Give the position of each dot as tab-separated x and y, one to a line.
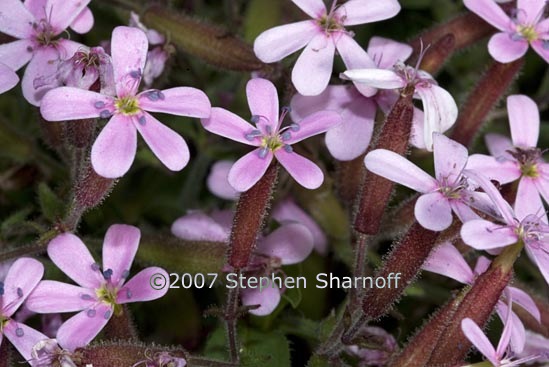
376	78
440	111
140	287
68	103
15	19
62	13
313	8
44	63
539	253
129	53
433	211
114	149
51	296
532	9
248	170
16	54
314	124
508	330
482	234
490	12
268	298
355	57
498	145
197	226
524	300
542	183
181	101
450	158
524	121
305	172
400	170
446	260
276	43
218	180
528	201
263	101
167	145
119	249
313	68
70	255
479	340
8	78
386	52
504	49
82	328
22	337
540	47
333	98
503	172
228	125
291	243
83	23
367	11
22	277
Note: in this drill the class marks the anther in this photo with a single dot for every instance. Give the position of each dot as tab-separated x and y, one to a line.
135	73
107	314
91	312
286	135
105	114
288	148
545	44
125	274
263	152
129	293
19	332
295	127
155	95
142	120
252	135
95	266
1	289
99	105
19	293
254	119
107	274
86	297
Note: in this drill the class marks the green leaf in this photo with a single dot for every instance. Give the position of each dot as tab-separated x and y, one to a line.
52	206
14	220
261	15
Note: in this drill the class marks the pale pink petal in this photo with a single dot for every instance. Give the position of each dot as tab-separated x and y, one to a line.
540	46
483	263
498	145
524	300
22	277
291	243
376	78
508	330
313	8
44	63
462	211
367	11
313	68
16	54
532	9
263	101
433	211
479	340
229	125
83	23
333	98
140	288
542	183
268	297
52	296
181	101
288	211
490	12
197	226
67	48
224	218
504	49
352	137
15	19
386	52
8	78
82	328
481	235
418	129
36	7
63	12
218	181
528	200
305	172
249	169
68	103
524	120
450	158
72	256
167	145
22	337
119	249
539	253
355	57
446	260
114	149
440	111
314	124
398	169
129	53
503	172
276	43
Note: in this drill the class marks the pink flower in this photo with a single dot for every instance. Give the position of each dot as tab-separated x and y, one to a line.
378	350
8	78
449	191
218	180
21	279
99	293
270	139
535	345
518	157
37	25
83	22
527	26
114	150
321	36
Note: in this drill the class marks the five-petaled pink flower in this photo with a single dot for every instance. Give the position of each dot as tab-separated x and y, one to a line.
270	139
37	25
528	25
114	150
321	36
100	291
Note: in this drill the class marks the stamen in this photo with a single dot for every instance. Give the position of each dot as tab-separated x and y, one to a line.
125	274
91	312
288	148
135	73
252	135
1	288
269	129
19	332
86	297
107	274
263	152
295	127
99	105
95	266
155	95
286	135
545	44
107	314
142	120
19	293
105	114
255	119
129	293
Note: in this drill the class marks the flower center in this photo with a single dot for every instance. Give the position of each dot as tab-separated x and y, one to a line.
44	34
532	230
528	32
272	143
330	24
108	294
127	105
528	160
